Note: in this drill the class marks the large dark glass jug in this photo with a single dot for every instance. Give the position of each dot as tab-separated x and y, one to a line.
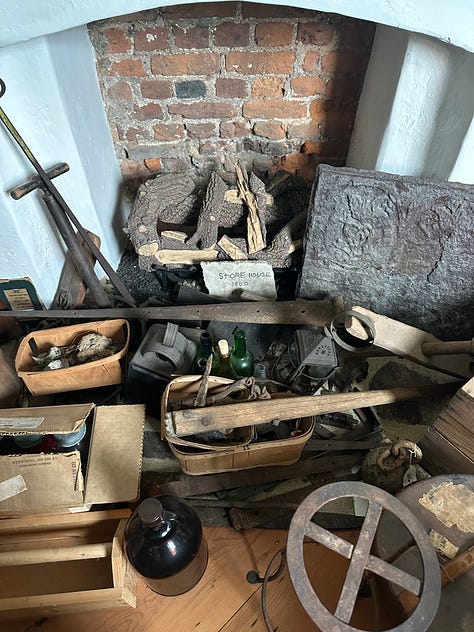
165	543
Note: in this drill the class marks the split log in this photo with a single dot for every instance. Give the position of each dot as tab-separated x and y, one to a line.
166	198
185	257
256	203
231	249
208	223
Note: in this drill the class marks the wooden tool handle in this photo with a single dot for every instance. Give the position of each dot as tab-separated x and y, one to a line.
457	347
449	572
193	421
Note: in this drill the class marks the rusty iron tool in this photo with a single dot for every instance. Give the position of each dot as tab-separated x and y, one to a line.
57	207
428	589
299	312
77	253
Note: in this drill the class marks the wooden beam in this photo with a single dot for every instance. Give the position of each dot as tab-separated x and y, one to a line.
193	485
299	312
193	421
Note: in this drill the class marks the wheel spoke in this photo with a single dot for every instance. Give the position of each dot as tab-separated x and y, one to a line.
393	574
359	558
329	540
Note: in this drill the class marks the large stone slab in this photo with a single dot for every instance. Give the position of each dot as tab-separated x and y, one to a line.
398	245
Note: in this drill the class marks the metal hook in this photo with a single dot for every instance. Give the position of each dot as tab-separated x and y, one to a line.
3	88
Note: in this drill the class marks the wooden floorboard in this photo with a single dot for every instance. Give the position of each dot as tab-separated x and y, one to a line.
223	601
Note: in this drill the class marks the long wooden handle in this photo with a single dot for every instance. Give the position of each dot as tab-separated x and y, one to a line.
449	572
55	554
457	347
193	421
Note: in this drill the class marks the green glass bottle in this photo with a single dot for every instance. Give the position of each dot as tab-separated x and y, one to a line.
241	358
203	352
225	370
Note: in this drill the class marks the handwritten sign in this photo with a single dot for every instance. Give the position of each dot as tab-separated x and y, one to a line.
228	279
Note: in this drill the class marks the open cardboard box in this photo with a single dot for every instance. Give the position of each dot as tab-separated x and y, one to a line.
48	483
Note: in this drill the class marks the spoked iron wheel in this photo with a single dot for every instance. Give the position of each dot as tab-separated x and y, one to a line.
428	589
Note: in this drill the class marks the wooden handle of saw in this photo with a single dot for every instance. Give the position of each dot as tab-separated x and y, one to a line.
457	347
449	572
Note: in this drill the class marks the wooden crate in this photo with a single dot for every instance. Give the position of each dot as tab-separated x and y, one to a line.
58	564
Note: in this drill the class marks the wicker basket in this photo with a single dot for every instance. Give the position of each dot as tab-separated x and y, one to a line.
89	375
205	459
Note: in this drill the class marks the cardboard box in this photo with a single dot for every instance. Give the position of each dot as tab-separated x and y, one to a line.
43	483
102	372
58	564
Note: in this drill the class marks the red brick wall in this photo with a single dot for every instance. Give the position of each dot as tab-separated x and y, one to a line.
201	85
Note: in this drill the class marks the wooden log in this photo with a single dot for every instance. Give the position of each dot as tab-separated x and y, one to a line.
230	249
177	235
408	342
233	197
208	222
299	312
255	230
188	422
185	257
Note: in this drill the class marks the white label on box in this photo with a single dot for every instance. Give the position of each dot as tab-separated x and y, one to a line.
19	298
12	487
25	423
227	279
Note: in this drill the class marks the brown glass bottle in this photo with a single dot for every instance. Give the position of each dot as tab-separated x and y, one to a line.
164	542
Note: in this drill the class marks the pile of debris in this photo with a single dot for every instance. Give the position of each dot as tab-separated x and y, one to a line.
174	222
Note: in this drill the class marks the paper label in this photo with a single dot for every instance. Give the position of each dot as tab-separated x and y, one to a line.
443	545
12	487
19	298
227	279
23	423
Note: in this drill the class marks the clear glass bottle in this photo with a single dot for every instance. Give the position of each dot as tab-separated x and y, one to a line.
225	369
204	350
241	358
165	543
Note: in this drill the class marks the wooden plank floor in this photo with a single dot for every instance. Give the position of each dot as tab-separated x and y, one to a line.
224	601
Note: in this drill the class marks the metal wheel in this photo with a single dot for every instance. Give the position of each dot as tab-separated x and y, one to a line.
428	590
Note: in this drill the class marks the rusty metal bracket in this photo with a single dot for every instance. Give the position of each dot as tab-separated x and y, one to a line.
427	589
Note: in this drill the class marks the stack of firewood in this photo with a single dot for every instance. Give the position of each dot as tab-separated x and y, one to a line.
174	222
